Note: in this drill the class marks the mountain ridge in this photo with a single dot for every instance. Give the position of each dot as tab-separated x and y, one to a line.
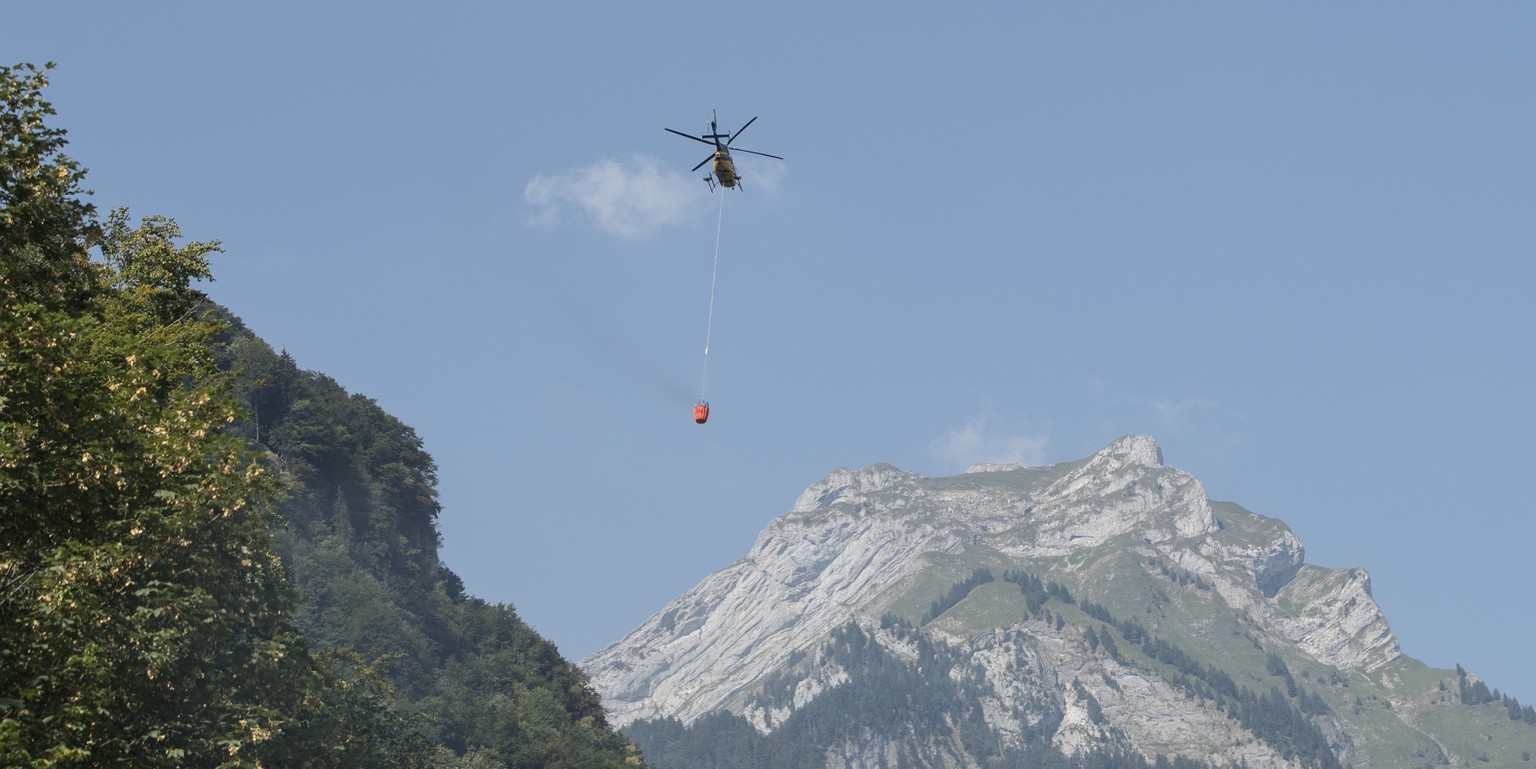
1136	541
808	559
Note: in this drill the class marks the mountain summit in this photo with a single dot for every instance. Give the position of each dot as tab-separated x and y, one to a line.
1101	604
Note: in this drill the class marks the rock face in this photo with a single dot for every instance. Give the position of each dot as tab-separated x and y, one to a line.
807	574
1120	529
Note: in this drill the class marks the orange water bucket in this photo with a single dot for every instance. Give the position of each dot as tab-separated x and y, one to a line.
701	412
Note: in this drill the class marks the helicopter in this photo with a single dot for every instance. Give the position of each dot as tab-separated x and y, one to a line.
725	170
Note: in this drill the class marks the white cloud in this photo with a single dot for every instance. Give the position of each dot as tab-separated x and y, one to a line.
973	444
631	200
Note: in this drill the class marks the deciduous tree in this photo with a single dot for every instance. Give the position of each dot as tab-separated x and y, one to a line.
144	619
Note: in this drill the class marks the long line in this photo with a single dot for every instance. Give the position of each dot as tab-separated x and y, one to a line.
709	327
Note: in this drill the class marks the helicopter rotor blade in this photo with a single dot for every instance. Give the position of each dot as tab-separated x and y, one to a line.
739	131
702	162
750	152
691	136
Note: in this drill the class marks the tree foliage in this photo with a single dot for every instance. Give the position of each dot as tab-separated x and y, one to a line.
186	517
361	543
145	619
45	223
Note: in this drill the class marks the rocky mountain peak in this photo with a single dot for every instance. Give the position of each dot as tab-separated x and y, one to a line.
1121	489
1119	528
1131	450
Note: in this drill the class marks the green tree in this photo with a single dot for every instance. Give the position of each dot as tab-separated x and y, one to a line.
45	225
144	619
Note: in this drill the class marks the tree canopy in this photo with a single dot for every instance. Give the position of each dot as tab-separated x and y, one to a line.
209	557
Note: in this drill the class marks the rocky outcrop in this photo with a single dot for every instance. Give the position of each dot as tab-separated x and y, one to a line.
847	486
809	572
1331	615
1122	489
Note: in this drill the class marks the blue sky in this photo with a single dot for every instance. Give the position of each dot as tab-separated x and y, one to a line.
1293	242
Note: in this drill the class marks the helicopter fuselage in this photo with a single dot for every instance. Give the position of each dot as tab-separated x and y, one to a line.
725	170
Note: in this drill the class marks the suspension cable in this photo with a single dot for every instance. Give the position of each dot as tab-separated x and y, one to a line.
710	325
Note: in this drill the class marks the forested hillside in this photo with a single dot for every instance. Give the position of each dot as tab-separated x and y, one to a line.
361	544
144	618
208	557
